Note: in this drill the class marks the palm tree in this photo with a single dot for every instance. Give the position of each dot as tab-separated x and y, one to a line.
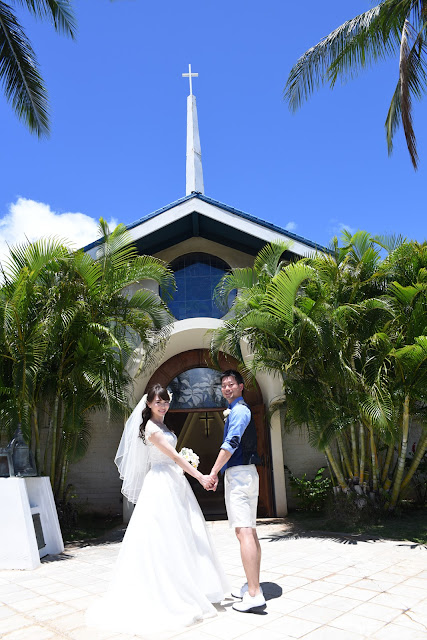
350	348
19	72
68	327
392	27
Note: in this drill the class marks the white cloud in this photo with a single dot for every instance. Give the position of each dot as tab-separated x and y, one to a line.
291	226
337	227
28	219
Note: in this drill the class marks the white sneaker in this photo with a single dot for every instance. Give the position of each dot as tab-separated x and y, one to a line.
249	603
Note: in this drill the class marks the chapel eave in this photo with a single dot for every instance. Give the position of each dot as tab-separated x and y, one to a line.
195	217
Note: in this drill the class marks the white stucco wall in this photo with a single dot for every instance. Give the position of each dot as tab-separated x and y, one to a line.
95	478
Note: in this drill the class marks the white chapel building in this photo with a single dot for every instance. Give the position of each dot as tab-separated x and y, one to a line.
201	239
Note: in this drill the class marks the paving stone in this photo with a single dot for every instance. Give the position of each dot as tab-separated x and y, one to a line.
12	623
330	633
304	595
396	632
323	587
229	627
6	612
315	613
376	611
404	590
338	603
356	594
68	622
26	606
409	619
31	633
51	612
358	624
293	627
84	633
17	596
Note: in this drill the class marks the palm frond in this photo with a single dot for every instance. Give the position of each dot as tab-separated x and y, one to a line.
151	306
345	50
227	339
405	295
34	256
117	248
389	242
405	93
394	117
268	259
282	291
143	268
412	81
59	11
242	278
19	73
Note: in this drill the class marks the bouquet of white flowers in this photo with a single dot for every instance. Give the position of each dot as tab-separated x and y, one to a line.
190	456
226	413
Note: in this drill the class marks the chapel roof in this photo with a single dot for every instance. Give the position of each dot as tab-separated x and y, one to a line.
199	215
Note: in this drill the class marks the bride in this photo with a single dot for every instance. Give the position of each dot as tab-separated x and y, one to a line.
167	574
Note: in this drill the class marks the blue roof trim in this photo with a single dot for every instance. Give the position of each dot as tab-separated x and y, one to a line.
262	223
96	243
225	207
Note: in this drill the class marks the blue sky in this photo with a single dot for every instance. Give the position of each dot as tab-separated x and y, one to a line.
118	120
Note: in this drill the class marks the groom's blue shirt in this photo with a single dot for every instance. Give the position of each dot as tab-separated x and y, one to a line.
234	428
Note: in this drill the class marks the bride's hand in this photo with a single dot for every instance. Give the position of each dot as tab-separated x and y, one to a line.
206	482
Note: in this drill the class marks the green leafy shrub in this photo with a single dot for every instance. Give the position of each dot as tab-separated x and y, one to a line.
311	494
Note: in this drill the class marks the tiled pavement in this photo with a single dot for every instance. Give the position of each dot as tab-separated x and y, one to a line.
331	588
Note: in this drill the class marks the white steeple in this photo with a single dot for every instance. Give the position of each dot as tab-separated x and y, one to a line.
194	171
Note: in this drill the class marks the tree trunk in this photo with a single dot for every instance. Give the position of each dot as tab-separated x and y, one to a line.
387	462
354	451
54	440
374	460
402	455
339	476
344	453
419	453
362	451
37	440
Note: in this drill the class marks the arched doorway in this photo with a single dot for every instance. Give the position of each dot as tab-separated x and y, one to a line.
200	425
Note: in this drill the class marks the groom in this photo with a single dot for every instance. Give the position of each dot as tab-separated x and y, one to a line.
237	457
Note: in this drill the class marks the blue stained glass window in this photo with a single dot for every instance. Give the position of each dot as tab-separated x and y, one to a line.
197	275
197	388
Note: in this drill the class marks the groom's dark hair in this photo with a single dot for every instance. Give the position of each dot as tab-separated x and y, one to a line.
236	375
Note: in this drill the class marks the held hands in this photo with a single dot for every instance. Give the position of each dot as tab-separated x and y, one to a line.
209	483
205	481
213	482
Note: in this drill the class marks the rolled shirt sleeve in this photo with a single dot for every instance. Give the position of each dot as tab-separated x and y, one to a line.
238	420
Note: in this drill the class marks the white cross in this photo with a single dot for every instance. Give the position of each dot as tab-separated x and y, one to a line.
190	75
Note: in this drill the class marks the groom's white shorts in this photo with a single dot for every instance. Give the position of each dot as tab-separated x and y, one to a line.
241	495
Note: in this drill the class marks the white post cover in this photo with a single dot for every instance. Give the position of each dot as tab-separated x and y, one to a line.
20	498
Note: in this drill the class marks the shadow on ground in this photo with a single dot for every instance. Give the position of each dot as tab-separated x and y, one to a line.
291	530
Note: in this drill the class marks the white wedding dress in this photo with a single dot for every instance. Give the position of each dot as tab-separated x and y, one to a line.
167	574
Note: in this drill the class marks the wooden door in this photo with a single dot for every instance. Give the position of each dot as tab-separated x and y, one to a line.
265	502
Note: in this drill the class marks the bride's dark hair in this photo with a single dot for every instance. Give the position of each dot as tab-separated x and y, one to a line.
155	390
